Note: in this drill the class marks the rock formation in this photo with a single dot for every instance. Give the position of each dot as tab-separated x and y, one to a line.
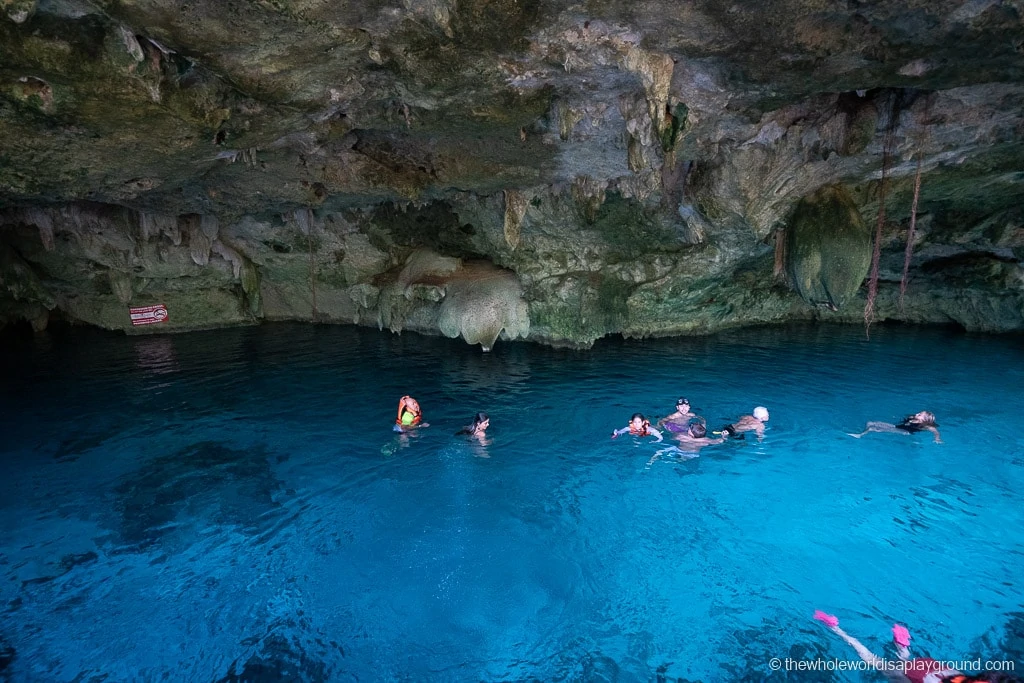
648	168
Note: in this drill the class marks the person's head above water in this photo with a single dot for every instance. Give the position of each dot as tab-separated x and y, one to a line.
481	422
409	412
637	420
682	405
761	413
923	418
697	429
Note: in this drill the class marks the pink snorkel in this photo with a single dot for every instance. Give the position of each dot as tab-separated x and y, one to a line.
901	636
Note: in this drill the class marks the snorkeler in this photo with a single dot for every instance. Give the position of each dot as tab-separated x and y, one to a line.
923	421
677	421
409	415
480	424
690	442
638	426
748	423
695	437
916	670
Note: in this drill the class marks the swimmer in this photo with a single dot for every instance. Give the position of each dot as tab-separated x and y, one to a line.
690	442
409	415
923	421
695	437
677	421
480	424
748	423
916	670
638	426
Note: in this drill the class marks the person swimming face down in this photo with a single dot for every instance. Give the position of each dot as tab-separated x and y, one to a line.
697	429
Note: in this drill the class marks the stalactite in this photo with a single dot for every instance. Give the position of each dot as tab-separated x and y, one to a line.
199	242
515	208
779	270
304	219
42	219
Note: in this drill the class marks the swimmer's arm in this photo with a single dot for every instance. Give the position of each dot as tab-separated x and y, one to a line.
655	432
619	432
935	433
865	654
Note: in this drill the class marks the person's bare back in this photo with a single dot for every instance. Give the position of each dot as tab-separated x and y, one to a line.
750	423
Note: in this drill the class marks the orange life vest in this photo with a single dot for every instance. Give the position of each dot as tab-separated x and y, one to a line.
406	403
643	431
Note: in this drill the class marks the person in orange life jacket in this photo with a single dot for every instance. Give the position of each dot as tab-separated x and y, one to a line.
638	426
409	415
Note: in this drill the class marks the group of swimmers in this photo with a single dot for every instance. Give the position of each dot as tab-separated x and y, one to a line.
687	428
690	430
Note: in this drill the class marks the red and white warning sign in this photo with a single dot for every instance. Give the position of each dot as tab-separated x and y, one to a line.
147	315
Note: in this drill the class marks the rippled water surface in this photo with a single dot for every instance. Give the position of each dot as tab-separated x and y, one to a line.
234	506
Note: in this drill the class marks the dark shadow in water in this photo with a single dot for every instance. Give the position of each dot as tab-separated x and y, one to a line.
1003	645
279	661
6	657
1012	644
237	484
70	449
758	646
66	564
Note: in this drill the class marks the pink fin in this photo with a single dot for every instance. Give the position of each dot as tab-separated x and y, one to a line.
826	619
901	635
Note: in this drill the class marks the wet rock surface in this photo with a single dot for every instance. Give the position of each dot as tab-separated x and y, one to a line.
634	167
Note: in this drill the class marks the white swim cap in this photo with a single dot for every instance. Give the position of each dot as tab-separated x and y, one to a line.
761	413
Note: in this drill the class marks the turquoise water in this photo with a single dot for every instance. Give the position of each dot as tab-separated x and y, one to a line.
233	506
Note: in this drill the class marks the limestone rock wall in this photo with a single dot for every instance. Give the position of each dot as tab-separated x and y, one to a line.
592	169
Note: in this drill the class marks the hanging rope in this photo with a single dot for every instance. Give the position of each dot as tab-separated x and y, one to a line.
876	254
909	250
